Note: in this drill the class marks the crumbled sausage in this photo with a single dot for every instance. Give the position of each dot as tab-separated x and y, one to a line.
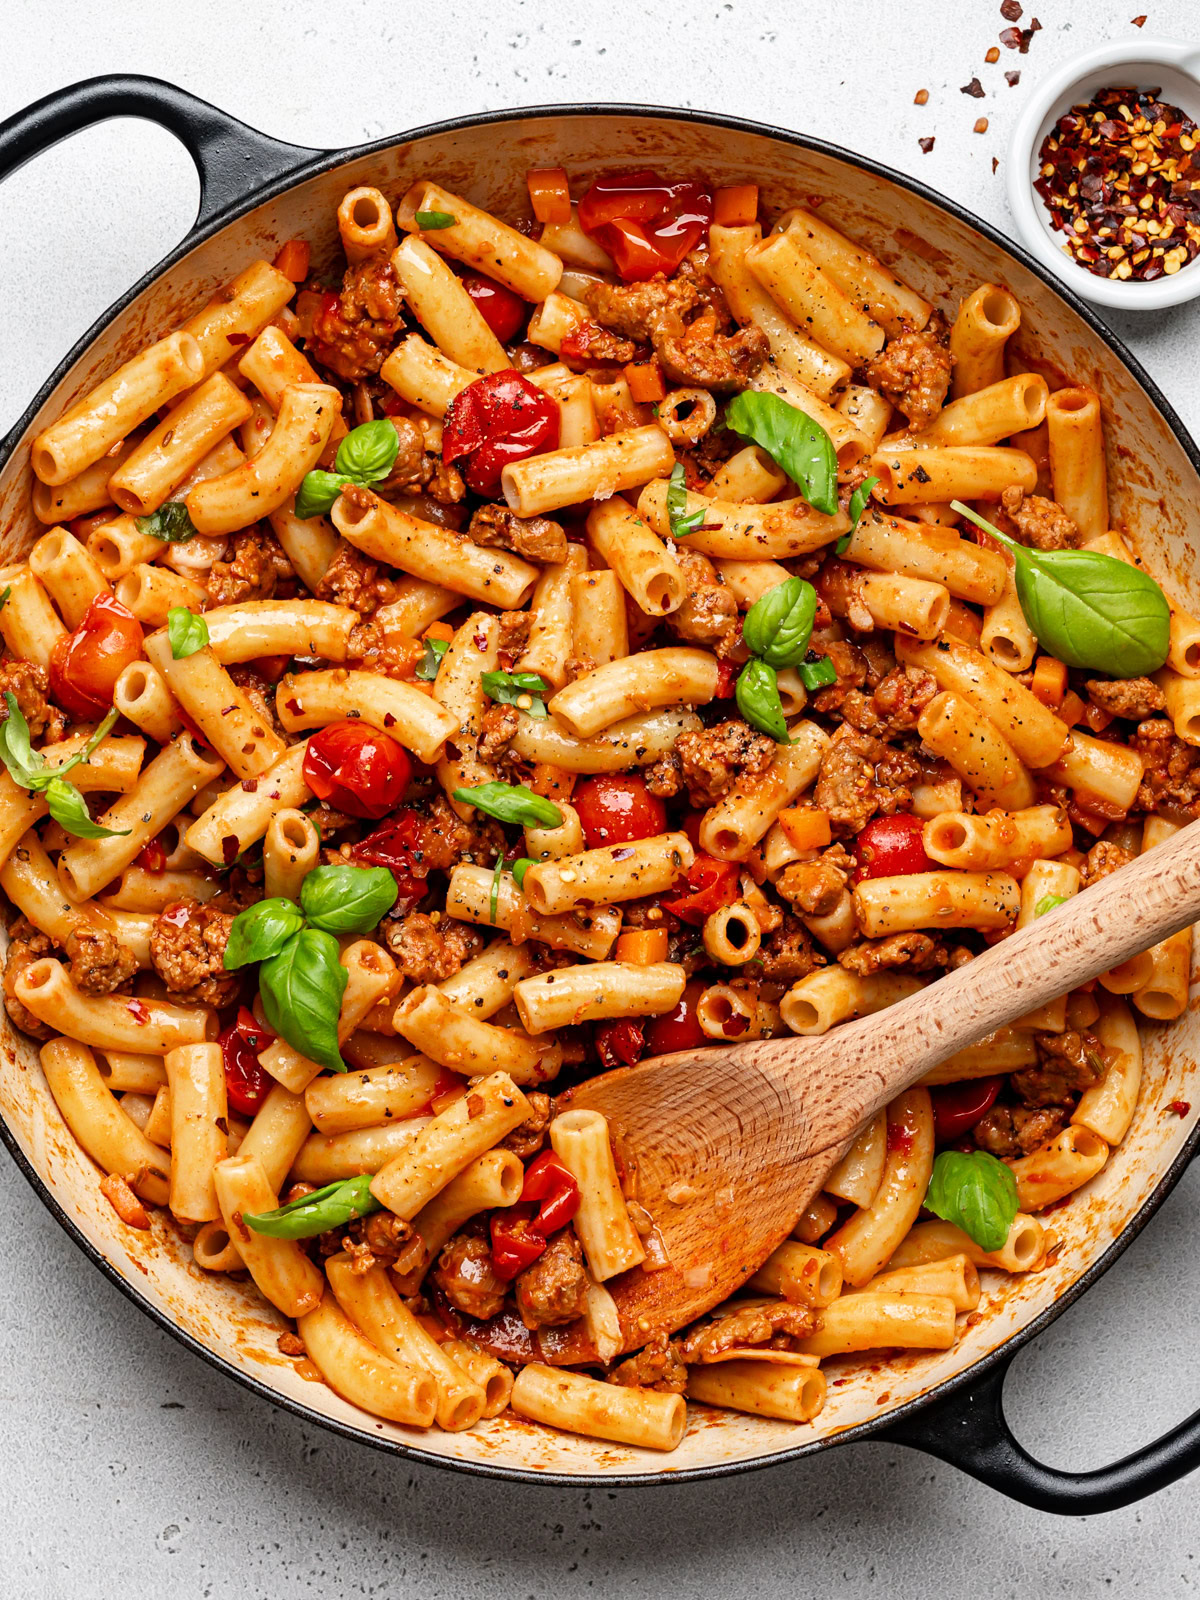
528	1137
919	952
373	648
913	371
645	311
553	1289
775	1322
418	469
259	691
353	335
1068	1063
27	683
698	352
514	636
1104	857
26	945
351	579
813	888
427	951
703	357
187	950
257	566
497	729
1036	521
657	1365
534	538
787	954
1133	698
100	963
466	1276
853	671
709	761
709	613
894	705
1018	1130
859	776
1172	776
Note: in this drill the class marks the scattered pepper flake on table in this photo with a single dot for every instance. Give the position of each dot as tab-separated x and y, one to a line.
1010	11
975	89
926	144
1020	38
1139	22
1121	179
1012	79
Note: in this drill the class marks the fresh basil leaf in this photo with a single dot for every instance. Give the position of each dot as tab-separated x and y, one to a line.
512	802
301	989
171	522
368	453
1048	903
317	492
261	931
318	1212
682	521
69	811
47	774
186	631
1088	609
24	764
977	1193
510	688
858	504
431	221
757	695
494	897
427	667
779	624
519	868
818	674
346	899
793	440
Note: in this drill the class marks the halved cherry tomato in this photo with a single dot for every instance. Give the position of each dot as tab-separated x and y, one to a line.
646	225
680	1029
959	1106
617	809
358	769
247	1083
549	1181
711	885
399	845
890	847
85	664
619	1044
498	419
516	1243
502	310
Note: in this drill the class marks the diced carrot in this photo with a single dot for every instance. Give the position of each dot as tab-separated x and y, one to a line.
806	829
645	381
549	194
292	260
1096	718
553	783
736	206
1049	682
1072	708
439	630
641	947
123	1200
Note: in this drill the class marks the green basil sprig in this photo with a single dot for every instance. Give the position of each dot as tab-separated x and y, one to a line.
187	632
171	522
432	221
1086	608
1048	903
858	504
793	440
365	456
977	1193
757	695
519	868
779	624
512	802
261	931
318	1212
681	520
345	899
27	767
510	688
302	988
427	667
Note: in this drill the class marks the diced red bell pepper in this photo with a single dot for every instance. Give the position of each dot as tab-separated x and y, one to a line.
619	1044
497	420
711	885
547	1179
516	1243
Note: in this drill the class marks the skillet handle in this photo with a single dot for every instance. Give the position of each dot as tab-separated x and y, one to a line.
970	1431
231	159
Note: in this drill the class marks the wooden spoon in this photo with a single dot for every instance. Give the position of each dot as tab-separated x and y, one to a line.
731	1143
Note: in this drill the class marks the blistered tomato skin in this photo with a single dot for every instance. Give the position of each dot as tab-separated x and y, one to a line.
498	420
357	769
959	1106
247	1083
891	847
502	310
646	225
87	662
617	810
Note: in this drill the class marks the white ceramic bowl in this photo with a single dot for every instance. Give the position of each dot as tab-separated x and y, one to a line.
1144	63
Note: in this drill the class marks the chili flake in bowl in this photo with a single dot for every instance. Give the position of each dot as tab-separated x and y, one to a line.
1104	174
1120	177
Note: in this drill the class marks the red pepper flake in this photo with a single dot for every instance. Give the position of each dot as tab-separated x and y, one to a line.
1020	38
1180	1107
921	98
229	848
1011	11
995	165
926	144
138	1011
1012	79
899	1138
975	89
1139	22
1120	179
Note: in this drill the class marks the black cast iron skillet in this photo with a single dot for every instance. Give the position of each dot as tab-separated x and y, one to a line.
961	1421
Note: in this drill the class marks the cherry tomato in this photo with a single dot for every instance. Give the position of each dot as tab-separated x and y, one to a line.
547	1180
680	1029
502	310
85	664
358	769
247	1083
617	810
890	847
959	1106
498	419
516	1243
711	884
399	845
646	225
619	1044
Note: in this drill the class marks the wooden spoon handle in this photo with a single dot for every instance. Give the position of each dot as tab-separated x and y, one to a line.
1127	912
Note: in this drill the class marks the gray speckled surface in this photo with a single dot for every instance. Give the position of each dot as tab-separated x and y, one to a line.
131	1467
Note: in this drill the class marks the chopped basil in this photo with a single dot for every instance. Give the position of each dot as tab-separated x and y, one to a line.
858	504
170	522
365	456
779	624
186	631
682	521
512	688
977	1193
427	667
512	802
431	221
1048	903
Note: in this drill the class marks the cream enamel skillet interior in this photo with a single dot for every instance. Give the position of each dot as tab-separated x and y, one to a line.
256	193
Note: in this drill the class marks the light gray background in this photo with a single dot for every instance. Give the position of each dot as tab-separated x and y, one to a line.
129	1467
